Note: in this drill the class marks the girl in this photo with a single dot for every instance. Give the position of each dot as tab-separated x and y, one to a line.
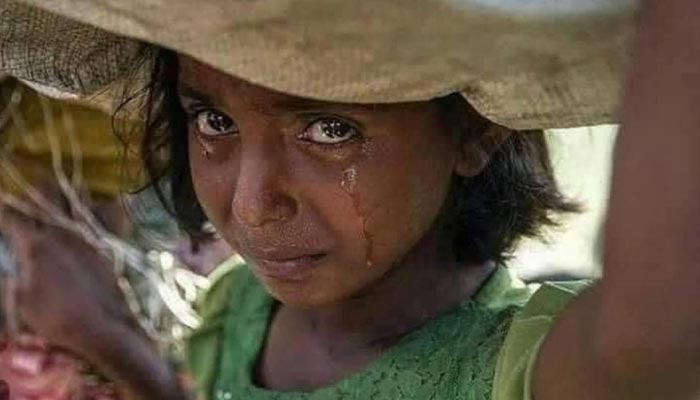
374	234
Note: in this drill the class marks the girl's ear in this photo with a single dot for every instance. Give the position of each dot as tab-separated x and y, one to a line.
475	152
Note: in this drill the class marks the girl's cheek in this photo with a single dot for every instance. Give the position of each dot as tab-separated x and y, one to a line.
213	176
206	149
352	184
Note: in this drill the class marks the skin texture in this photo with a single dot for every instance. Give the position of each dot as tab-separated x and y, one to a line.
368	204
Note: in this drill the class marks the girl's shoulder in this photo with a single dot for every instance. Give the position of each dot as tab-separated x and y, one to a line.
232	285
228	284
485	347
527	331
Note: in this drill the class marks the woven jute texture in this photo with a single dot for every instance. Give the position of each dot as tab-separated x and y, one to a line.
527	64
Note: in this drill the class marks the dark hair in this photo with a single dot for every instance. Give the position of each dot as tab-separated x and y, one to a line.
514	196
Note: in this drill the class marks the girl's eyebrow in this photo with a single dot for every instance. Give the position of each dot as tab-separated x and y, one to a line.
284	104
298	104
187	91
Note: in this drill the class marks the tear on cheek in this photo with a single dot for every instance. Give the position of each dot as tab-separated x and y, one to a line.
349	185
349	179
206	148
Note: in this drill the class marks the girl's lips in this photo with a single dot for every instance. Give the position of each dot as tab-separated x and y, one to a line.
292	269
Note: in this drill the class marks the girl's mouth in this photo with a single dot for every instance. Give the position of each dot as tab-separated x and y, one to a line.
289	269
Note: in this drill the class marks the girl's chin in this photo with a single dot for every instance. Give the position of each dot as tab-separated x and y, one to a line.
323	284
301	294
301	301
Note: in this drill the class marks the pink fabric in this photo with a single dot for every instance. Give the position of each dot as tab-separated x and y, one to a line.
33	371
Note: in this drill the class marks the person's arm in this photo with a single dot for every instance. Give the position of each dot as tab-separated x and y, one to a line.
636	335
67	294
131	361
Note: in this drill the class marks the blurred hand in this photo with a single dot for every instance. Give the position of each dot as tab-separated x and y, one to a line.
67	294
65	290
202	258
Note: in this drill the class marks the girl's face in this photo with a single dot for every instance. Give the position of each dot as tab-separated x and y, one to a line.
322	199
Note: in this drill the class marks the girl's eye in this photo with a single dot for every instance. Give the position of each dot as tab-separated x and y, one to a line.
214	123
329	131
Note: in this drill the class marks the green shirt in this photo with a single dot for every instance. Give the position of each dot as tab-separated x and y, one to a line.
470	352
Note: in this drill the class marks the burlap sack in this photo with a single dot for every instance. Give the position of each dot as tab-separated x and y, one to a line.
524	64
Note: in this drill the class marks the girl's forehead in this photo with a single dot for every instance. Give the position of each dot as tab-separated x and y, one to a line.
203	82
199	78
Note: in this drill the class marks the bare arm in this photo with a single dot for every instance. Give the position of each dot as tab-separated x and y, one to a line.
637	334
67	293
132	363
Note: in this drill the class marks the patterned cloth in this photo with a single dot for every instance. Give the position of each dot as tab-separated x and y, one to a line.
451	357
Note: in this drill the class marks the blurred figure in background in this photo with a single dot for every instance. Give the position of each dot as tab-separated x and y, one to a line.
42	142
203	257
62	170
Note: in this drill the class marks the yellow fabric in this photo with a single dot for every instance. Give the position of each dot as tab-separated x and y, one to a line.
514	369
25	142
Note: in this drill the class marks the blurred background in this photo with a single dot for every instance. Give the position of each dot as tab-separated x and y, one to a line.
582	162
